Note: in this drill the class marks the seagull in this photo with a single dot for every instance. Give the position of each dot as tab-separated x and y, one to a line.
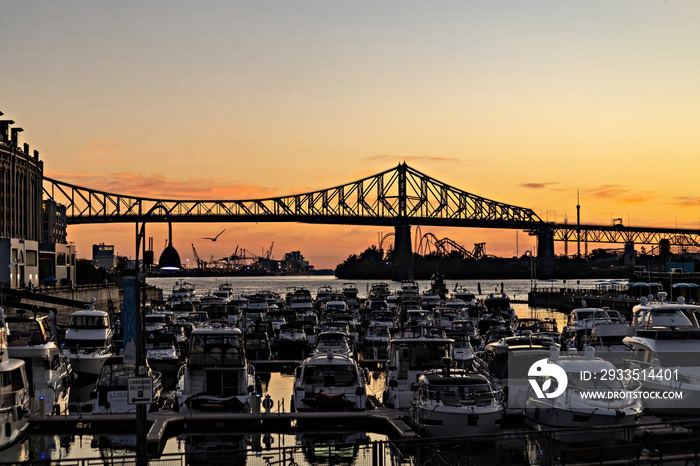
217	236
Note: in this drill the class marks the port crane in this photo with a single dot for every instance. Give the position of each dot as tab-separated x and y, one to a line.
200	263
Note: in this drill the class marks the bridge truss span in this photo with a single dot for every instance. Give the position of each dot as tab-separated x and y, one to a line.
401	195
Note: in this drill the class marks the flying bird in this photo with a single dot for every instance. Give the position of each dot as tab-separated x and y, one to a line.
217	236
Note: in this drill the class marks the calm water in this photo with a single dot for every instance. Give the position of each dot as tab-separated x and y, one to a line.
112	449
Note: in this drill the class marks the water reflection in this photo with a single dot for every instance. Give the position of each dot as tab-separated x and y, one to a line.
332	448
213	450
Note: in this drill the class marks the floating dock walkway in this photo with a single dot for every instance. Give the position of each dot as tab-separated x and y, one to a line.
163	424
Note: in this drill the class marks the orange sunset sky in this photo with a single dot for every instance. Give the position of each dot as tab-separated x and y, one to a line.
524	102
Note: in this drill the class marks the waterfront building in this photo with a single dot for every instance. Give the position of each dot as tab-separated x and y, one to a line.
33	240
103	256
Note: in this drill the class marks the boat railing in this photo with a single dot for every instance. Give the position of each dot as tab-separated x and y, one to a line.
13	398
217	355
456	399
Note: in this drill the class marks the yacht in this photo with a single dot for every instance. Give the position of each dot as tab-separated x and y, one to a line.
430	299
49	372
438	286
257	346
163	355
351	294
300	301
379	291
336	342
376	342
580	322
409	291
412	351
464	354
508	360
323	293
463	294
500	304
88	341
330	382
183	292
14	387
110	395
664	351
217	376
572	409
456	403
292	341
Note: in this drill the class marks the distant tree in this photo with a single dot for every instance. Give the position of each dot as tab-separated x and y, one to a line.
86	273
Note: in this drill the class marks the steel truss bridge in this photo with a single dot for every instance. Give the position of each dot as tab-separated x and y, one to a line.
399	197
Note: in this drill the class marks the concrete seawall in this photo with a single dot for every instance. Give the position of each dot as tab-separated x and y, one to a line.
107	298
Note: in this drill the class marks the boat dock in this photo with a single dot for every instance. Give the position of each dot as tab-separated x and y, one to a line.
163	424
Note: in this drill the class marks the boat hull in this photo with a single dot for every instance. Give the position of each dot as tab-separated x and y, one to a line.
434	420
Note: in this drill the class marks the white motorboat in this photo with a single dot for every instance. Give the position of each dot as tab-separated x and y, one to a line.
292	341
338	343
664	353
351	294
330	382
500	304
14	392
412	351
376	342
217	376
110	395
88	341
580	323
48	370
463	352
508	359
456	403
409	291
182	292
379	291
577	406
163	355
463	294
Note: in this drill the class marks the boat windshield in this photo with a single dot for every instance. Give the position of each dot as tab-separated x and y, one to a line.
89	322
330	376
377	332
455	395
425	356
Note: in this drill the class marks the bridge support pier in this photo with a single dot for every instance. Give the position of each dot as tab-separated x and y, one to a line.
545	253
630	255
402	261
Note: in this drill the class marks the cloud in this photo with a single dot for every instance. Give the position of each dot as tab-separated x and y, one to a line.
685	201
620	193
534	185
157	185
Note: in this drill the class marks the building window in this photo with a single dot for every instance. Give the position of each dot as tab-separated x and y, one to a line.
31	258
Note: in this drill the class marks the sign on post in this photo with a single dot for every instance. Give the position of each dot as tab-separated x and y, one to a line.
140	390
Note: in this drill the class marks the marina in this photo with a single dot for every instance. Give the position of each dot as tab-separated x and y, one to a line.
382	426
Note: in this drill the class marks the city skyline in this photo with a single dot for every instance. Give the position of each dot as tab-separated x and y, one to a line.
526	103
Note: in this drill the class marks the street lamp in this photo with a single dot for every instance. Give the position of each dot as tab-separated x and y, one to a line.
169	260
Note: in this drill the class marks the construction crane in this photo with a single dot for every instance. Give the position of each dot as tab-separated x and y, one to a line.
268	256
200	264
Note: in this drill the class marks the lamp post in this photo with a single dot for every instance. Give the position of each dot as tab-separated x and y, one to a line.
169	260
